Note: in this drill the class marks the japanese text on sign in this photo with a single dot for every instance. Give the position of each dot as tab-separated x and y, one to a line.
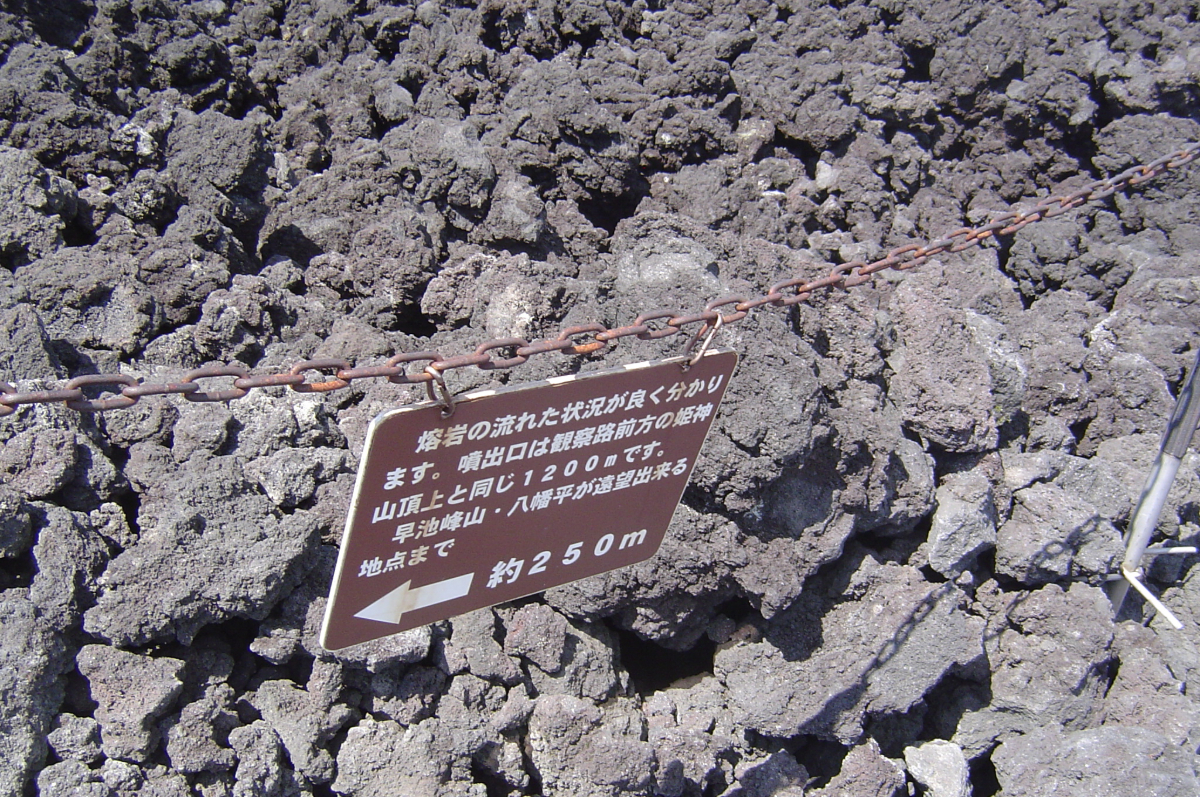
519	491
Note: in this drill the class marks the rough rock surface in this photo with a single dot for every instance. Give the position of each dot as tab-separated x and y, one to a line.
1051	657
577	748
893	543
251	555
964	524
827	662
1054	536
131	691
865	771
35	658
1113	760
939	767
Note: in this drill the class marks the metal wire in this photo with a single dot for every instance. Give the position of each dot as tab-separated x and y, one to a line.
587	338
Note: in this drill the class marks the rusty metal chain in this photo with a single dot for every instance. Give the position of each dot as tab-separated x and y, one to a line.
583	339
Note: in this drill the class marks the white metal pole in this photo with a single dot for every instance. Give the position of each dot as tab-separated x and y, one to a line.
1180	429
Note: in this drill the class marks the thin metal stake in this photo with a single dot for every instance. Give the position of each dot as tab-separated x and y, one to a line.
1178	437
1182	550
1131	578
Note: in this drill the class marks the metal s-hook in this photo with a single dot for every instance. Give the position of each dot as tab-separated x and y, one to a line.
707	341
447	398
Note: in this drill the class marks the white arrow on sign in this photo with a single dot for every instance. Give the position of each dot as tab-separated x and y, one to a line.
392	606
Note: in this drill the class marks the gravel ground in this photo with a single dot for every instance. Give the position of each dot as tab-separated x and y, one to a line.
884	577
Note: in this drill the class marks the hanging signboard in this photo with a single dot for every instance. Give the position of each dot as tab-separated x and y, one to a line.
520	490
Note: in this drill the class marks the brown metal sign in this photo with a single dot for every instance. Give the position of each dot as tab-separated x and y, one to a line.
520	490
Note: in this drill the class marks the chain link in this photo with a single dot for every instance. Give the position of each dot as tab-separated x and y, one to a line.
585	338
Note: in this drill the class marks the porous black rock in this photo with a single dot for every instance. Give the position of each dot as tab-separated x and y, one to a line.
895	537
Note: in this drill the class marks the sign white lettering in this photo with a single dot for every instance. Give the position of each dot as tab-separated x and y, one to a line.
518	491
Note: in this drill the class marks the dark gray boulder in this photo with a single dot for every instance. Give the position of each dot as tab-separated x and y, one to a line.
34	657
821	668
1113	759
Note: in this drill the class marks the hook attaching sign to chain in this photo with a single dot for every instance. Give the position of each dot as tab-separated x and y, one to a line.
703	346
446	398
